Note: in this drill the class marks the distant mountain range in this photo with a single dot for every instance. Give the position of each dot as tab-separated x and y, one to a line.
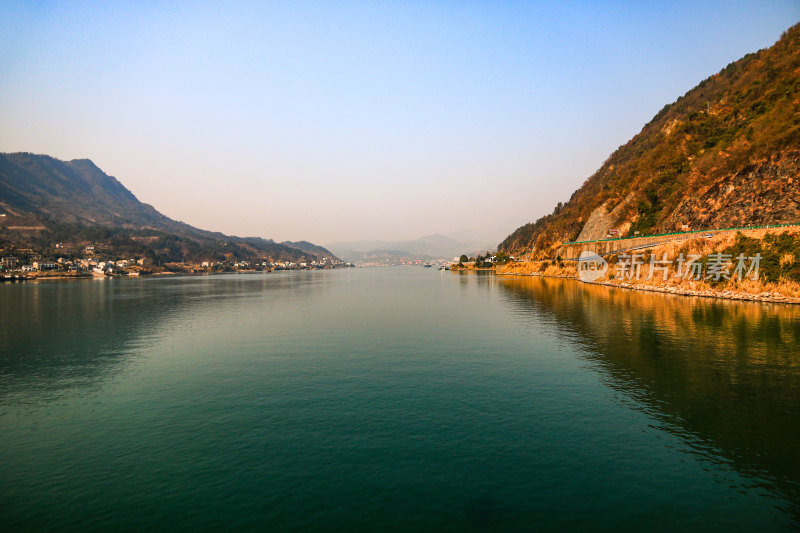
434	246
726	154
44	201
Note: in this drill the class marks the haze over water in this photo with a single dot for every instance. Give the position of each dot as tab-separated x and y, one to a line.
393	399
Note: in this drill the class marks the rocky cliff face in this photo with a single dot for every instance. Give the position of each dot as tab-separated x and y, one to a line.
763	192
599	224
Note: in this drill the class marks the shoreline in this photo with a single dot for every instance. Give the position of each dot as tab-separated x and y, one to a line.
778	247
766	297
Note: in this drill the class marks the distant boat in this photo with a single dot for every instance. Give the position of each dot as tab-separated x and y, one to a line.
428	265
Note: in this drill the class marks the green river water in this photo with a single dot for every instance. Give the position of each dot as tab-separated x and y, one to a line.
393	399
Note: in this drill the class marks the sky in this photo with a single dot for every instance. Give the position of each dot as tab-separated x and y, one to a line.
340	120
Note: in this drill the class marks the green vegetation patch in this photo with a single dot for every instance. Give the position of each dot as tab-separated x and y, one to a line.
780	255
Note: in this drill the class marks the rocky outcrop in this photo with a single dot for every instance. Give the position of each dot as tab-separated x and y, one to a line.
600	221
765	192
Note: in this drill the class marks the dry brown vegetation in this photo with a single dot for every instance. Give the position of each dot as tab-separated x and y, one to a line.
726	154
779	275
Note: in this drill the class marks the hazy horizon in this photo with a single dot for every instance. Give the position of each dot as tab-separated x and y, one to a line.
357	121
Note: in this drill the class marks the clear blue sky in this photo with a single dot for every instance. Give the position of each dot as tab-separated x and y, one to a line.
347	120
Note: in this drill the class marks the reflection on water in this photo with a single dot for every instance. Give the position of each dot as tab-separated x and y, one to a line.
723	375
399	399
64	337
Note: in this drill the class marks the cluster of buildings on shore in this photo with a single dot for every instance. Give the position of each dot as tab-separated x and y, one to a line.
12	263
28	261
325	262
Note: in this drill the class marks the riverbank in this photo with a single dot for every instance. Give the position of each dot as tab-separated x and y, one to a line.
701	291
54	274
773	279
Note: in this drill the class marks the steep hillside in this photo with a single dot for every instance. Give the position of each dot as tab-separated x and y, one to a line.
725	154
45	201
75	191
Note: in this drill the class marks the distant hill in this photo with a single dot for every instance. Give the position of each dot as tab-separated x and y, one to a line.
387	257
311	248
726	154
430	246
46	200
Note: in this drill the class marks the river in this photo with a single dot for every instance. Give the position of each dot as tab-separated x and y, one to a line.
393	399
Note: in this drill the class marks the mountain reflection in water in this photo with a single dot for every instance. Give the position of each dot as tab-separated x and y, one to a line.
724	376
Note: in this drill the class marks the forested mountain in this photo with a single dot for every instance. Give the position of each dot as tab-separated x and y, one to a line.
45	200
726	154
